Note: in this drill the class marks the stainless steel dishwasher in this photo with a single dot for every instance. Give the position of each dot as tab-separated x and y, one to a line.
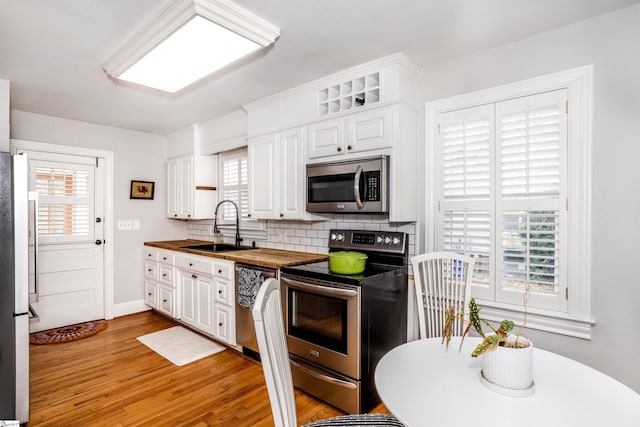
245	331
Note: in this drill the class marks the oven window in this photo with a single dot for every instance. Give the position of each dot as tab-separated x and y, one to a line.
318	319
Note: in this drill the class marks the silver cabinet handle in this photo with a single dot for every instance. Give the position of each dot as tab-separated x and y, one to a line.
33	197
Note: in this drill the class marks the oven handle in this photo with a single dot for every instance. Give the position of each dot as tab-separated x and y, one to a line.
356	187
325	289
322	377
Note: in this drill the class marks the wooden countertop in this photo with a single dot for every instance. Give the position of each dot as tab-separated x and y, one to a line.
274	258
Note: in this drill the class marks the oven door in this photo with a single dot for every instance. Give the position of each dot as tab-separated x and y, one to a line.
322	321
357	186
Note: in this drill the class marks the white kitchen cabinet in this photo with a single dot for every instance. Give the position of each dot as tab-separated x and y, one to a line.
191	187
197	299
207	295
365	131
276	176
160	286
224	295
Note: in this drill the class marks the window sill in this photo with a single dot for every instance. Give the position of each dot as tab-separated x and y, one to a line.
229	232
558	323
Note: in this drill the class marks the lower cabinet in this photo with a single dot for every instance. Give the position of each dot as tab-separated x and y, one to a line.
197	290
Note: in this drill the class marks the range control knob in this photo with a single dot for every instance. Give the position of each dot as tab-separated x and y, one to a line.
379	239
333	236
387	240
340	237
395	241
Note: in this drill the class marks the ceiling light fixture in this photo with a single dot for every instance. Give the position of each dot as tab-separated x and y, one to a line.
187	41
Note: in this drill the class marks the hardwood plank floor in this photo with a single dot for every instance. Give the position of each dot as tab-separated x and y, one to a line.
111	379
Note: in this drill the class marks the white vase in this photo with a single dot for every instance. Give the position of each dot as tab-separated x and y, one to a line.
509	368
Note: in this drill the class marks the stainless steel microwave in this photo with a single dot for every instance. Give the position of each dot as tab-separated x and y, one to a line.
351	186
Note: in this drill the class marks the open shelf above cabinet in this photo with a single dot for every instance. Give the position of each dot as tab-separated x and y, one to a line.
349	95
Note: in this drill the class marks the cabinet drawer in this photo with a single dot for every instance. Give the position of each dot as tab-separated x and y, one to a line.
150	254
199	264
224	271
167	301
151	294
166	274
225	324
166	257
224	292
151	270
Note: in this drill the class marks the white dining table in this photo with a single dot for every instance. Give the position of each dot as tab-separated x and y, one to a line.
423	384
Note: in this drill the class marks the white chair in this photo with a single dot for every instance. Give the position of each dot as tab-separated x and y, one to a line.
442	280
269	324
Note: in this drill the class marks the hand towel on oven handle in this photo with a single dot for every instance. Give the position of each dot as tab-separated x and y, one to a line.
249	282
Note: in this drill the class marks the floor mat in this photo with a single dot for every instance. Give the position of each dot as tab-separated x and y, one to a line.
68	333
179	345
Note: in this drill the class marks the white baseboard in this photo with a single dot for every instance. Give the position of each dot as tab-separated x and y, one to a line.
129	307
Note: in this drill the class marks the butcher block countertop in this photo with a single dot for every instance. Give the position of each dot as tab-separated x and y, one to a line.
264	257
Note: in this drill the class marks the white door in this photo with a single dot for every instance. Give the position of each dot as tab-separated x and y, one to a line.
70	267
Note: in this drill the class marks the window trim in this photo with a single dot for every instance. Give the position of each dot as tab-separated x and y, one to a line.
578	320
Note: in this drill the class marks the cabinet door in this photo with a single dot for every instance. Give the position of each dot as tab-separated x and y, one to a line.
187	286
173	166
186	187
326	138
204	304
166	303
224	326
291	175
263	168
151	294
369	130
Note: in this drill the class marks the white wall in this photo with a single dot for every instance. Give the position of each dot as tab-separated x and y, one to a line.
137	156
4	115
610	43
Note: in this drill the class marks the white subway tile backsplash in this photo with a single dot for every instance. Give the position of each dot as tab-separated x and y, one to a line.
311	236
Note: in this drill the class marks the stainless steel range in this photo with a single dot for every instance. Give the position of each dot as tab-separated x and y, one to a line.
339	326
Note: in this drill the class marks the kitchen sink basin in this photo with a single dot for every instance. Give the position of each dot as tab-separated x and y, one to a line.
216	247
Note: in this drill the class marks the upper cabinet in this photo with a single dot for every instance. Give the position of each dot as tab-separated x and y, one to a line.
191	187
191	177
355	133
276	176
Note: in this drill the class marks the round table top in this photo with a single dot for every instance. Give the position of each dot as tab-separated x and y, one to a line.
423	384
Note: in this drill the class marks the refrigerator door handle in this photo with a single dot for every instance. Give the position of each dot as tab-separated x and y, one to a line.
35	293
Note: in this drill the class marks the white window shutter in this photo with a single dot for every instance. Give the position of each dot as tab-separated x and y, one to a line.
502	182
234	185
531	237
65	201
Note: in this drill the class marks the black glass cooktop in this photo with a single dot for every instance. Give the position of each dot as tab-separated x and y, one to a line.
320	270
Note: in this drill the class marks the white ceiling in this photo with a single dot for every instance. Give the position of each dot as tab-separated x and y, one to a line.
52	50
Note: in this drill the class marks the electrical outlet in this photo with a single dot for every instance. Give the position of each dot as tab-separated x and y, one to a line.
136	224
125	225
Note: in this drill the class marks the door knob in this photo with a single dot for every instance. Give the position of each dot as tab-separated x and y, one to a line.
98	242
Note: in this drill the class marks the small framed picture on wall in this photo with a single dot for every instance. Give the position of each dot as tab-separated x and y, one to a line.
142	190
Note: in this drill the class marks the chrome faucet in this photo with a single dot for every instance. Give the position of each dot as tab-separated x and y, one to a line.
215	221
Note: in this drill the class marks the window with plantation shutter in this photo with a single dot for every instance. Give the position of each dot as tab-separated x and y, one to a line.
234	186
502	187
65	208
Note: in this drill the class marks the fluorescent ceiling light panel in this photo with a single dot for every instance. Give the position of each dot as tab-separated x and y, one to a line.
188	41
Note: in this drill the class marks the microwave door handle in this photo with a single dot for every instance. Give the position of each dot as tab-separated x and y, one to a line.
356	187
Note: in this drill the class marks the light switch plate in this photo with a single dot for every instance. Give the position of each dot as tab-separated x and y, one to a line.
124	225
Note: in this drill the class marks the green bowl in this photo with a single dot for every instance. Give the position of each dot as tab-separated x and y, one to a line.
347	262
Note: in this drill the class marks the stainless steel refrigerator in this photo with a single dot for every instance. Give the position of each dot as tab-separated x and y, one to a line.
14	289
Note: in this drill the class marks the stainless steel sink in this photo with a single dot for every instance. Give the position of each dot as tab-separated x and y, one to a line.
216	247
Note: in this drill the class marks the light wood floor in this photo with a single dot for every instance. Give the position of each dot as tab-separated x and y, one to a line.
111	379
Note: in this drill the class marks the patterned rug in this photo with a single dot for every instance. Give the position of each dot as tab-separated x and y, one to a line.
68	333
